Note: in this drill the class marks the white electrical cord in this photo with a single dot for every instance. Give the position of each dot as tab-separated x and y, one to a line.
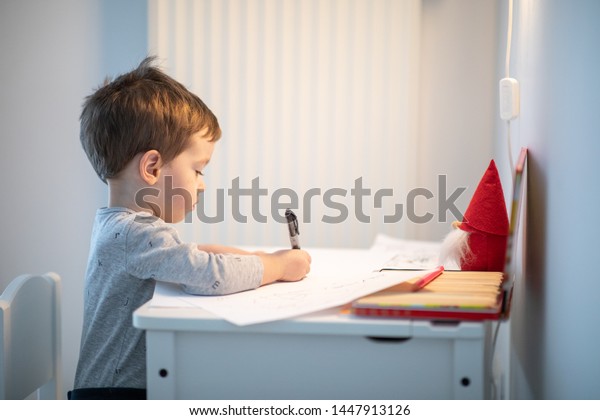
507	72
509	38
510	154
495	394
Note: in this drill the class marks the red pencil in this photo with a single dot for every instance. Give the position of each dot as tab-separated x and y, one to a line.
428	278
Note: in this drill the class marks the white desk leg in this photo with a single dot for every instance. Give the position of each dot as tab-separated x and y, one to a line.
469	378
160	363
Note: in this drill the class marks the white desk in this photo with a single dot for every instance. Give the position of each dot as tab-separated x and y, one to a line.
195	355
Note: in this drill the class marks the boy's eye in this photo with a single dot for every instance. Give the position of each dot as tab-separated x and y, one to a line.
199	173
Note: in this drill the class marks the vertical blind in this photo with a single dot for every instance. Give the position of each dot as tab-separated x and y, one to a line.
316	98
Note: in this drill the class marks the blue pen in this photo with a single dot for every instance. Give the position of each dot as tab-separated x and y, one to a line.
292	222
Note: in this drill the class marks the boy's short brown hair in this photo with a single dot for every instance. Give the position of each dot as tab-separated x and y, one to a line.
139	111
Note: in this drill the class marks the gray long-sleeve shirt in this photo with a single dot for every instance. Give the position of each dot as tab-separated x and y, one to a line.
129	253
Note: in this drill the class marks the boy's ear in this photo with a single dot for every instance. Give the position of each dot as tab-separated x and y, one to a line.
150	165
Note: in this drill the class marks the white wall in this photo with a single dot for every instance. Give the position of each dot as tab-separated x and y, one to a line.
333	91
53	54
456	102
555	330
310	95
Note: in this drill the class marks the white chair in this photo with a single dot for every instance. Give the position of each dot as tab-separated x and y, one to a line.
30	338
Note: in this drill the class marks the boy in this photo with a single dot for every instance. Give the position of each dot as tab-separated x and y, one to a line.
146	136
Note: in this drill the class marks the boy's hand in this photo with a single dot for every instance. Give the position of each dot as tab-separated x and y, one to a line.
296	264
285	265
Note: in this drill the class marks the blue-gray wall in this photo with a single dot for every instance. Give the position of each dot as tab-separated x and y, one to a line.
53	54
555	331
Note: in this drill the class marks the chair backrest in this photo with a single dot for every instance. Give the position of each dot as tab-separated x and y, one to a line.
30	338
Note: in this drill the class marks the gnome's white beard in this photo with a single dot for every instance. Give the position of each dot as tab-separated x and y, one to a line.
455	247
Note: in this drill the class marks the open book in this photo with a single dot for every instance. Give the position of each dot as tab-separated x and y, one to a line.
455	295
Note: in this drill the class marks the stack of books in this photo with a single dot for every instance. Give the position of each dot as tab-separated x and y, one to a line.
451	295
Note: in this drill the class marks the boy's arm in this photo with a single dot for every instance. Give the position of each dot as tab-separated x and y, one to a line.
286	265
222	249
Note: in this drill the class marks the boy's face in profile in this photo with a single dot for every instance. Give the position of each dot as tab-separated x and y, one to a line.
181	180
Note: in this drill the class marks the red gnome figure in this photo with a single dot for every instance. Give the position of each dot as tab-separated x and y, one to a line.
479	243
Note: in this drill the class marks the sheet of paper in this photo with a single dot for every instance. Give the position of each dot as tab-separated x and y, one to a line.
409	254
337	277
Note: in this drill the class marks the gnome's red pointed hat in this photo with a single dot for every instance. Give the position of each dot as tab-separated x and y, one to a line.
486	222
